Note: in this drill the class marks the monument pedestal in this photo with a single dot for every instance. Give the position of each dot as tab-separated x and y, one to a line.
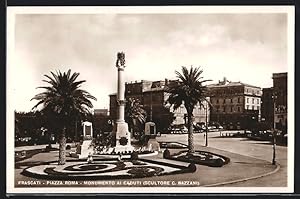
86	148
123	138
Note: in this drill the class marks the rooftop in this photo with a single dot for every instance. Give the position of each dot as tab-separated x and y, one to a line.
226	83
278	75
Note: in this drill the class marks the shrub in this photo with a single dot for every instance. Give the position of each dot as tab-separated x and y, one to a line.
134	155
217	162
48	148
166	154
192	167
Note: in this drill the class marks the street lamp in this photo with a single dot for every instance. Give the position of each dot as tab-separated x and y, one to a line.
206	140
274	130
151	107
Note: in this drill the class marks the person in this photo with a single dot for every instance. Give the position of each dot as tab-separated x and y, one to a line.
120	157
90	158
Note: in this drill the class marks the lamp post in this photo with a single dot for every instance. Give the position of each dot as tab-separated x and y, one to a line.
151	106
274	130
206	140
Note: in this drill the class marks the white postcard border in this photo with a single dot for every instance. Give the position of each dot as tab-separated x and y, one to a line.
12	11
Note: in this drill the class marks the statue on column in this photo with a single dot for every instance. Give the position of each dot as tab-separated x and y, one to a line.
120	60
121	133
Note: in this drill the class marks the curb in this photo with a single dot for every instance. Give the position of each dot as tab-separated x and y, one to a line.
244	179
238	154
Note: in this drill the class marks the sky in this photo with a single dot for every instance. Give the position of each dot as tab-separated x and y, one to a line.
240	47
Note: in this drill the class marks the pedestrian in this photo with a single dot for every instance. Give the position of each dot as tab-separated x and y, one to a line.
120	157
90	158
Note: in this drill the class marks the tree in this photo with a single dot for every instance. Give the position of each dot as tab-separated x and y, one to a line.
61	100
188	90
135	115
163	119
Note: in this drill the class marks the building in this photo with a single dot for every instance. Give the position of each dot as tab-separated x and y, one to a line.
276	97
101	121
280	101
267	109
152	96
235	105
101	112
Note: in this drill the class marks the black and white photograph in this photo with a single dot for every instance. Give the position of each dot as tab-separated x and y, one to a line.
161	99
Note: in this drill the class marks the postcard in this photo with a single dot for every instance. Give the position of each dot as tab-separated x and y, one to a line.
150	99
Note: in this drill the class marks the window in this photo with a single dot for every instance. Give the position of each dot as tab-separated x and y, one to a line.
253	108
238	100
247	100
224	109
252	100
257	101
217	101
239	109
247	107
224	101
231	100
231	108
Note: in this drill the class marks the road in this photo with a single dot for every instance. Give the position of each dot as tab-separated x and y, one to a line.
244	146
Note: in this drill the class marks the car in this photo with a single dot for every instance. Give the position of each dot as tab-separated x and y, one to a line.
211	128
178	129
220	127
184	129
198	129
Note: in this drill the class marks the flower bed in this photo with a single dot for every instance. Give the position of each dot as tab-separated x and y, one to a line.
99	170
200	157
172	145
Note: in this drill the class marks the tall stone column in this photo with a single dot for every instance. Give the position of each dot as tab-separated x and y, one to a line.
121	96
123	138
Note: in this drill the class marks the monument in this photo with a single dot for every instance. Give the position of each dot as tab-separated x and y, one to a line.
121	132
85	149
150	128
150	131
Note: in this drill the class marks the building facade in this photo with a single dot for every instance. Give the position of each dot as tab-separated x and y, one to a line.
235	105
267	108
280	101
101	112
101	121
153	96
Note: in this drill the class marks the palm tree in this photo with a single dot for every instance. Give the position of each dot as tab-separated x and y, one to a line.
134	113
188	90
62	100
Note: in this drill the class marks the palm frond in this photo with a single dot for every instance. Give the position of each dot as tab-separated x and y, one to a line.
63	96
190	89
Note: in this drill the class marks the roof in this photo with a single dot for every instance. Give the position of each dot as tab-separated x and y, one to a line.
279	75
153	89
221	84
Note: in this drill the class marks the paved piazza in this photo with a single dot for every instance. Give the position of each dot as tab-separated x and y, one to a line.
250	160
